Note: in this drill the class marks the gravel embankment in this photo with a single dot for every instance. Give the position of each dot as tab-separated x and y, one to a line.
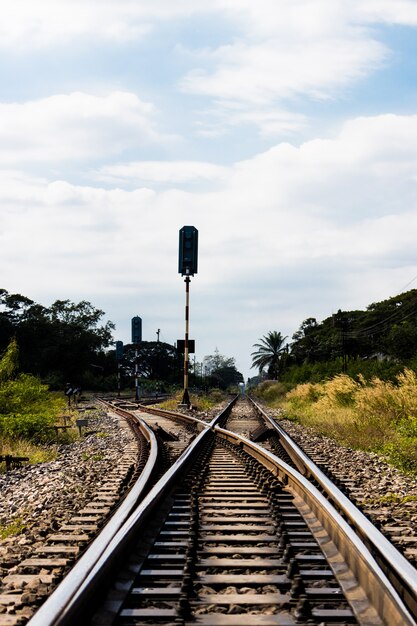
43	497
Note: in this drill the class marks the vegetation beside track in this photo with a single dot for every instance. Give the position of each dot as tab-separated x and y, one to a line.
375	415
28	412
202	402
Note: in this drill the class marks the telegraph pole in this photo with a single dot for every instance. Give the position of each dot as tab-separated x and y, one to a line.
136	339
187	266
119	357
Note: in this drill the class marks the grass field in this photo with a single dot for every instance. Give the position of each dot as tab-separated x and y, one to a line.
374	415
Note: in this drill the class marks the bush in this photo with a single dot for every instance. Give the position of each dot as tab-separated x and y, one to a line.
325	370
27	409
372	415
340	391
304	395
271	391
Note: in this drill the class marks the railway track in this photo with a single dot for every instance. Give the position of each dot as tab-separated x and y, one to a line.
34	578
231	534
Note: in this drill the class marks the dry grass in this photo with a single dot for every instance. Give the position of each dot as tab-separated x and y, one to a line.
376	415
203	403
24	448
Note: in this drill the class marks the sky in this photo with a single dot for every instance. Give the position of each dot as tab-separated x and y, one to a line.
285	131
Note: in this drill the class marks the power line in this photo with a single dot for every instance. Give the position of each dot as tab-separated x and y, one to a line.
365	331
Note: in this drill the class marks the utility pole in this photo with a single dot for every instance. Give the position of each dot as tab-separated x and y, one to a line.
136	339
119	357
342	322
157	335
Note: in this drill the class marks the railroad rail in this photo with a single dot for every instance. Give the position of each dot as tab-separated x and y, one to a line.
143	462
230	535
400	572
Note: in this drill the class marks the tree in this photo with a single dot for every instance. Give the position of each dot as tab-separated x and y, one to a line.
58	343
226	377
9	361
156	360
270	354
27	409
220	371
214	362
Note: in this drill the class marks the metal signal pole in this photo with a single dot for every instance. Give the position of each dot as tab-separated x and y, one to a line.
186	396
187	266
136	376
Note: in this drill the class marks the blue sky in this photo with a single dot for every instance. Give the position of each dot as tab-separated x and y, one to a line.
284	130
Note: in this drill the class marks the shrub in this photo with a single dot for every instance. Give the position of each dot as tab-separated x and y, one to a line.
24	448
339	391
304	394
27	408
376	415
271	391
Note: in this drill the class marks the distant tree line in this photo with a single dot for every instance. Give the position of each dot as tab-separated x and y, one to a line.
161	362
65	342
70	343
380	340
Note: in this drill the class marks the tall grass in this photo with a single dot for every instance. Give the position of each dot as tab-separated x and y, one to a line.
24	448
377	415
271	391
203	402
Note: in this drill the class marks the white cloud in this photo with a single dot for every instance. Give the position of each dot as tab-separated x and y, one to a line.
169	172
270	121
44	23
75	126
275	70
324	200
27	24
402	12
298	229
269	54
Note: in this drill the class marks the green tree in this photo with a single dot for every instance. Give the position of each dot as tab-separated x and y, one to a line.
214	362
60	343
156	360
226	377
9	361
220	371
270	354
27	409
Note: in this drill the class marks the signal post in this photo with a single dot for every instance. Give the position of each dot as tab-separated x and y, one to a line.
187	266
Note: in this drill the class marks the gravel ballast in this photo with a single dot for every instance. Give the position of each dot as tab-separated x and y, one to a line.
40	498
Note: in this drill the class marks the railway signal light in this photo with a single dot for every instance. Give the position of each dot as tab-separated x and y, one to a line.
136	329
187	266
119	350
188	251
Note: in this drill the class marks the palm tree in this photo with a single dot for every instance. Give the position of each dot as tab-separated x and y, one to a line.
269	353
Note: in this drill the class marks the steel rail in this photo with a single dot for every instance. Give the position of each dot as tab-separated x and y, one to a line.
82	569
72	599
162	412
172	414
380	591
400	572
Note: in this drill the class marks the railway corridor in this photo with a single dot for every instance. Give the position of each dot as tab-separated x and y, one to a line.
233	533
232	552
